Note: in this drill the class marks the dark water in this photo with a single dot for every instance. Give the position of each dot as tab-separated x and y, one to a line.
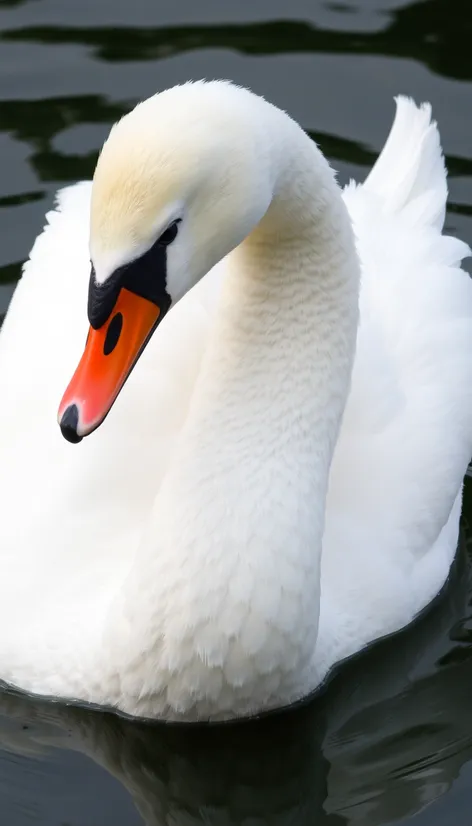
391	738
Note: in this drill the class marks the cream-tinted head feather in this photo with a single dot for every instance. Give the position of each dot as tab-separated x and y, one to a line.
191	152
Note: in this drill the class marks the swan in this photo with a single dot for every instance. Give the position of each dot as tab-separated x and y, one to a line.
278	480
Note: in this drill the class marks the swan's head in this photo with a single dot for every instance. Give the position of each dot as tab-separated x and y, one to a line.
180	182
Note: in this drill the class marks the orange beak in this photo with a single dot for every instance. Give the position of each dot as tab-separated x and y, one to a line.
109	356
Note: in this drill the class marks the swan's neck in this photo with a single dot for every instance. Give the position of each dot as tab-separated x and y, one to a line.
258	444
229	571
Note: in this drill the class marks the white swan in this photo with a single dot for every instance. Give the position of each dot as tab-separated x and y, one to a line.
204	554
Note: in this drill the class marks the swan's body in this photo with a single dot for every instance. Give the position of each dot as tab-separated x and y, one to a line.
187	560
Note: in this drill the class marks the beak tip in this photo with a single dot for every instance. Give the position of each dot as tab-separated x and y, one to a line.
69	424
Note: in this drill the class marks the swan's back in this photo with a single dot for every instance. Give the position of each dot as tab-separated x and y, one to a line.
407	430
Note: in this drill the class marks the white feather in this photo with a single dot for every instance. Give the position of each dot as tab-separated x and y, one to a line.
87	581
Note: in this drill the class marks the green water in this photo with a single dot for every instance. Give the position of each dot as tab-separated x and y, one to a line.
390	741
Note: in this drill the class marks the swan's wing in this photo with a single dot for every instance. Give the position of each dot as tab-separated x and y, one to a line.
73	514
406	437
46	321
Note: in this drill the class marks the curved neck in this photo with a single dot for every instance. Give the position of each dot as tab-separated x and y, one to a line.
266	412
240	514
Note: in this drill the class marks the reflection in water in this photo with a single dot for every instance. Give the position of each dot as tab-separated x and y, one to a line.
432	31
37	122
10	3
11	272
385	739
18	200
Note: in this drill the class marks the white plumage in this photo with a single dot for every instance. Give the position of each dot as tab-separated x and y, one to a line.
171	564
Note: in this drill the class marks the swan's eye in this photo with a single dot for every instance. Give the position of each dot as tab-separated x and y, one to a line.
170	234
144	276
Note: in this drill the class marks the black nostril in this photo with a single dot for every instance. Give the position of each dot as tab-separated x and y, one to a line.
69	424
113	334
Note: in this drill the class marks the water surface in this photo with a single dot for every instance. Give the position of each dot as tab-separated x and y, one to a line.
390	741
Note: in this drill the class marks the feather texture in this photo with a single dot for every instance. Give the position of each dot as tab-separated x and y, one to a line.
73	520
